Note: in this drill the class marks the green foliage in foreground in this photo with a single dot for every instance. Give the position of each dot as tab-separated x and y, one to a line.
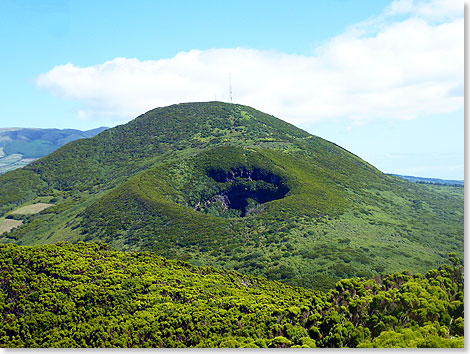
86	295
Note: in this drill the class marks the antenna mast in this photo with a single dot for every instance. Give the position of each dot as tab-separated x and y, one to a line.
230	86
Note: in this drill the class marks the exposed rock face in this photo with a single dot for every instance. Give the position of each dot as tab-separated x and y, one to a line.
247	189
256	174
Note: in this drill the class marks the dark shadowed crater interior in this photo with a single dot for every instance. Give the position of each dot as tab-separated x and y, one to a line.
246	189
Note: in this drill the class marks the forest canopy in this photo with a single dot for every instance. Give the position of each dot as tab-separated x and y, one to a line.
88	295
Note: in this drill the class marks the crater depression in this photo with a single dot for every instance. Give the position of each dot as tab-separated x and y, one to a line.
244	192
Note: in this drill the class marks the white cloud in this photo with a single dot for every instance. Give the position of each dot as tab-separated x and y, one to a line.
433	10
407	62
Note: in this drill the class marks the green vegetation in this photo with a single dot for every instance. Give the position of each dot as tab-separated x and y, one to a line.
231	187
30	149
87	295
21	146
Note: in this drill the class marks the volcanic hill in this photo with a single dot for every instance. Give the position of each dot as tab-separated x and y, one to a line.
229	186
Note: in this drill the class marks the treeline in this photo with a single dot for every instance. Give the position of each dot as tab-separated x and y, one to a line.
87	295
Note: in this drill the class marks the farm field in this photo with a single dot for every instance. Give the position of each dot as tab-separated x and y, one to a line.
7	225
31	209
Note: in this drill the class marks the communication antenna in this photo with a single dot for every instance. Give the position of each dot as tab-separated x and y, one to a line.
230	86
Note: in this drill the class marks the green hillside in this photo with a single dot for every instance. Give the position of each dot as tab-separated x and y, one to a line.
228	186
85	295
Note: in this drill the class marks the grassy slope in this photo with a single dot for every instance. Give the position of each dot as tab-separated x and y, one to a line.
342	217
85	295
158	135
290	240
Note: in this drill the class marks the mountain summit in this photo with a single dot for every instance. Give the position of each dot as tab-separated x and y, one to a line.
226	185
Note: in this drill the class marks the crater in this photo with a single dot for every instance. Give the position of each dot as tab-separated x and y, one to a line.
245	192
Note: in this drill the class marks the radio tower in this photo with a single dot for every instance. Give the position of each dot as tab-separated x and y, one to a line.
230	86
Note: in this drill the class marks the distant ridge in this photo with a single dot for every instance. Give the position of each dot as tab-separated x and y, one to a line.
21	146
414	179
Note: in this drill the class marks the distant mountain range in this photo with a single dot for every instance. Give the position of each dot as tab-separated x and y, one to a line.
452	182
21	146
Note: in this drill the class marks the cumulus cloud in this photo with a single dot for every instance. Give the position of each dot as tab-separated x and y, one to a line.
407	62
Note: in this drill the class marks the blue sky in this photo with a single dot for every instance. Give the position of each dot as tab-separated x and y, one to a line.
382	79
